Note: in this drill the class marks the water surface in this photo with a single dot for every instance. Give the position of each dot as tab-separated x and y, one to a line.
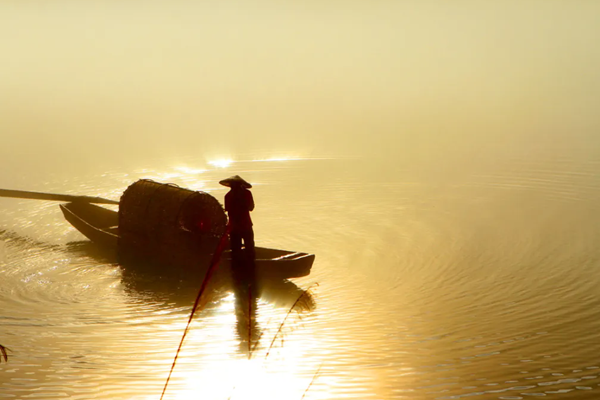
480	285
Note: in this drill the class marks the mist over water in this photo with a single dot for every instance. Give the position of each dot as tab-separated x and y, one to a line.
441	160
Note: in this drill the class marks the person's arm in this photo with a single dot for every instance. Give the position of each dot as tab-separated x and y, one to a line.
227	201
250	201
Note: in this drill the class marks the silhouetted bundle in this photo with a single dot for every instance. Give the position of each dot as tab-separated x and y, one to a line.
168	224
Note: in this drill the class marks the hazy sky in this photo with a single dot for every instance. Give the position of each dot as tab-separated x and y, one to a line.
82	81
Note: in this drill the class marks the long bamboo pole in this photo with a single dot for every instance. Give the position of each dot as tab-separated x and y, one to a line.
22	194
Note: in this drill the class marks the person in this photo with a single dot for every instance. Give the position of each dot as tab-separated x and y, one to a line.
238	204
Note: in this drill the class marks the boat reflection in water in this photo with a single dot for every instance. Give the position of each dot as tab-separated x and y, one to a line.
248	291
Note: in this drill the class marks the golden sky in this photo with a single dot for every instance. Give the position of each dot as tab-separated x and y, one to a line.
326	77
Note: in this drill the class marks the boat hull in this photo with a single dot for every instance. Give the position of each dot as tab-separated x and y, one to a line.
181	257
98	224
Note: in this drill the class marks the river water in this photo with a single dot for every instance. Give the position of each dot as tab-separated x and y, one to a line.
482	284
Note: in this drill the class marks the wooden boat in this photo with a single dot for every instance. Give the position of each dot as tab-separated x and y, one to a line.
172	228
100	225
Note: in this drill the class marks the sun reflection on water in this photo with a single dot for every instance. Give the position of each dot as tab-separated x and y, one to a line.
221	163
243	380
213	364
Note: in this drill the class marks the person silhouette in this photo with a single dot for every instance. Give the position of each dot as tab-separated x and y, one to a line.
238	204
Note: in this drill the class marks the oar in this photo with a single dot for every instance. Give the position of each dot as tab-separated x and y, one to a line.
22	194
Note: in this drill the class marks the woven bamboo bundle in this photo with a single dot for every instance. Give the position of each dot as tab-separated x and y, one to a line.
168	224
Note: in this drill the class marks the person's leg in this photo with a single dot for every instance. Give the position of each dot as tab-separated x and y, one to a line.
249	245
235	240
249	266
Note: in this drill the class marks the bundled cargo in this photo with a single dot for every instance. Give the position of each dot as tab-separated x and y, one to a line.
167	224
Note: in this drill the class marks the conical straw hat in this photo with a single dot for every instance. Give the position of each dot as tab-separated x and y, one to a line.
235	180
